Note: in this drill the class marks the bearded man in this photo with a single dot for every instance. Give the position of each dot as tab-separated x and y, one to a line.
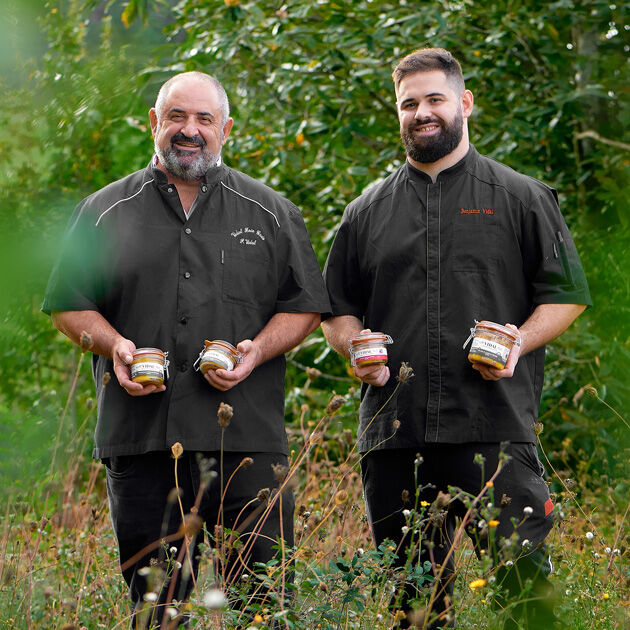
449	238
184	250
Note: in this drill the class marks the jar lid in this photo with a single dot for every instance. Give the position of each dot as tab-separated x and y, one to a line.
503	330
370	336
148	351
225	345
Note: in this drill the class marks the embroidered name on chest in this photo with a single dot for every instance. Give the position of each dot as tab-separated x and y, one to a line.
247	235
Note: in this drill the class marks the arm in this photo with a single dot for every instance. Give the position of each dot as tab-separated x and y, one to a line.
282	332
337	331
107	342
544	324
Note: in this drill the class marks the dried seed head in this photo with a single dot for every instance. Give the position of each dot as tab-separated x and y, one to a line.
348	436
246	462
538	427
177	449
106	378
89	403
405	372
85	341
280	472
341	497
443	499
396	424
505	501
225	414
334	404
263	494
589	390
404	495
191	525
312	373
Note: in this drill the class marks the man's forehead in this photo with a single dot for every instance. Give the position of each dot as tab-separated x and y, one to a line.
187	91
424	83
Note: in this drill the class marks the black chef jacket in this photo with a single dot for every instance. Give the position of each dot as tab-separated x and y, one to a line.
421	261
167	281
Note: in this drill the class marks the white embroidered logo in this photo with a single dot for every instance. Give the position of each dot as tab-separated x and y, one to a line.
247	235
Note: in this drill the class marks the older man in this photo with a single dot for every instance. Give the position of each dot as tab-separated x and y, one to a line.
449	238
184	250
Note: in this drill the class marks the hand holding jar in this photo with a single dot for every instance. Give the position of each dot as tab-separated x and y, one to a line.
368	356
495	349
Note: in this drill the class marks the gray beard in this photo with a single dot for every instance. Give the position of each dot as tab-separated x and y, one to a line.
432	150
176	163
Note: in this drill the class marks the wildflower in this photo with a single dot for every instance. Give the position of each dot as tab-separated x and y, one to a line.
173	550
505	501
85	341
225	413
396	424
171	612
263	494
399	616
406	513
589	535
493	523
258	618
526	543
605	596
246	462
360	551
509	563
424	504
528	511
481	524
616	552
334	404
538	427
177	449
404	529
150	596
475	585
405	372
608	550
589	390
177	564
214	598
489	484
144	571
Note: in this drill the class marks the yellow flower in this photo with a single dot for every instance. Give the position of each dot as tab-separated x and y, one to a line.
605	596
475	585
258	618
493	523
489	484
425	503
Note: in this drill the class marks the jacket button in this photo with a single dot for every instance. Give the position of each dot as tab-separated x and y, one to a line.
188	230
184	366
187	275
183	320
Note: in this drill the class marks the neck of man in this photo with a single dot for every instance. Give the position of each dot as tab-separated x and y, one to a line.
433	169
186	189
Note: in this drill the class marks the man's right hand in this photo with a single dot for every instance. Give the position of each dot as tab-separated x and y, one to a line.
122	356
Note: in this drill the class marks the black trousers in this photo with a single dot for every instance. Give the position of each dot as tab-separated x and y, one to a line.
144	508
390	481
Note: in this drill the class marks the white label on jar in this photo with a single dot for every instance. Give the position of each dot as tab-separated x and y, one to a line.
147	369
378	353
214	356
491	349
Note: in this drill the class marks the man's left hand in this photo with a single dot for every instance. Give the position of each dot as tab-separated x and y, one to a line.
224	380
489	373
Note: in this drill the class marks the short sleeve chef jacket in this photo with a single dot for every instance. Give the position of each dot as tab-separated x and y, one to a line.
167	281
421	261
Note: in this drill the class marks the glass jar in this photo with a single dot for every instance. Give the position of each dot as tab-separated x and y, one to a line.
218	354
368	348
149	365
491	343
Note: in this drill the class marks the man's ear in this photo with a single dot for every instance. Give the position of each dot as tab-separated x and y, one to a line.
226	129
468	102
153	120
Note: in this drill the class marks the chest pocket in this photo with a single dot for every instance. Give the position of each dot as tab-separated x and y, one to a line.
475	248
248	276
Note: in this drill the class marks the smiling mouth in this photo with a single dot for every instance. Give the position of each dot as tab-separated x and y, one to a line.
426	128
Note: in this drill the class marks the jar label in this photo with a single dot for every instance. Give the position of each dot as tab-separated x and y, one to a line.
218	358
147	369
490	349
378	353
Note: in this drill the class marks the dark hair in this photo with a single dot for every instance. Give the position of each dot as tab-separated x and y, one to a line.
426	60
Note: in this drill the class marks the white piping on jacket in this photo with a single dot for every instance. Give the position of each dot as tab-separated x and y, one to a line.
252	200
121	200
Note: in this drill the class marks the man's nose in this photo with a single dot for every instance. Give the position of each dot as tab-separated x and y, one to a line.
422	111
190	129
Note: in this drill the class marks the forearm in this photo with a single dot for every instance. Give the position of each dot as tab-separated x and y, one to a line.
283	332
545	323
72	323
338	330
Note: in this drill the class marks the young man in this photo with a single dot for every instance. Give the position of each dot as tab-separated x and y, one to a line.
186	250
449	238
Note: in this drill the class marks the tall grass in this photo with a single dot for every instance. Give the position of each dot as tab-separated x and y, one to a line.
59	565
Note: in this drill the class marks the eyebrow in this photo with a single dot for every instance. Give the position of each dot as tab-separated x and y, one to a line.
178	110
412	98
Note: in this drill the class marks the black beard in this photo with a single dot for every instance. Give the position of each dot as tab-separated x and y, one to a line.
431	150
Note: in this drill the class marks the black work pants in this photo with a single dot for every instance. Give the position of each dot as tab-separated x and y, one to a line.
390	479
144	508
